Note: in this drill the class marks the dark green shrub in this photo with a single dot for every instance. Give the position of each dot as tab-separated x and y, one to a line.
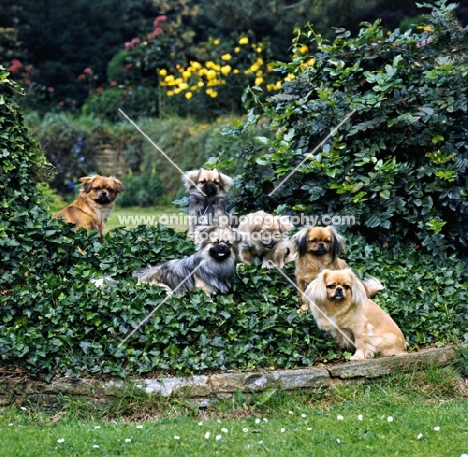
399	166
144	189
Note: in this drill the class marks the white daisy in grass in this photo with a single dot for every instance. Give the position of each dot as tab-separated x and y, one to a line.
23	408
265	419
176	437
207	435
359	418
282	430
139	426
128	440
245	429
96	446
339	417
218	437
61	440
257	421
97	426
420	436
303	415
464	455
436	429
218	421
224	430
389	419
290	412
200	423
309	428
338	441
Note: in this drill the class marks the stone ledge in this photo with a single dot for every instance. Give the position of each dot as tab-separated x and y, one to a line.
198	387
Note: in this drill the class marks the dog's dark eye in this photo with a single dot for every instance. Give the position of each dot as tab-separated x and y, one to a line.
216	182
331	286
97	188
346	286
202	181
313	240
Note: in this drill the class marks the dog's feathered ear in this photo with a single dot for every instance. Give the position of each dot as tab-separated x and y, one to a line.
337	243
119	187
317	289
190	178
225	181
358	289
300	241
87	182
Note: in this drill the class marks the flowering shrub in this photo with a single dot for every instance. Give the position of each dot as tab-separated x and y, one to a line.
178	78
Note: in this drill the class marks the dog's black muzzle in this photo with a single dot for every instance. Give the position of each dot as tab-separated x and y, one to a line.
210	189
103	198
221	251
270	245
339	295
321	249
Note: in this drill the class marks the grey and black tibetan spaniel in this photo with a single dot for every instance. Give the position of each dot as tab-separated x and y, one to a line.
211	268
207	190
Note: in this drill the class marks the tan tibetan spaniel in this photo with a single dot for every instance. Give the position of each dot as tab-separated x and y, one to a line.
264	237
316	249
339	303
93	206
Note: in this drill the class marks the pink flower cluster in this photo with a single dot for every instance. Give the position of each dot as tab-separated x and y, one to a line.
16	67
157	27
131	44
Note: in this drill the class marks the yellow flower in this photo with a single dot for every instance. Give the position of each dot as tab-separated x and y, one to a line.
162	72
193	87
226	57
195	65
216	42
304	49
258	81
259	61
183	86
210	74
169	79
186	74
259	73
289	78
259	49
237	49
201	83
188	95
310	62
170	93
226	70
236	71
244	40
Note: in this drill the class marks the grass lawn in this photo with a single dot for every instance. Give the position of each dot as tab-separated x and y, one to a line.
416	414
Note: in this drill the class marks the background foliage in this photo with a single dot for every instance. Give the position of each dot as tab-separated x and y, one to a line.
399	165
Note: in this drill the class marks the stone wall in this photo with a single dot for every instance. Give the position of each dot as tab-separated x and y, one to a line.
204	388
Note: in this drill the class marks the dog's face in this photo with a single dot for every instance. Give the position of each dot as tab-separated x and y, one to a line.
339	285
265	229
207	182
319	241
101	189
218	243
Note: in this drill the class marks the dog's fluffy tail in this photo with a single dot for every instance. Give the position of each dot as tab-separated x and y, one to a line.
148	275
372	285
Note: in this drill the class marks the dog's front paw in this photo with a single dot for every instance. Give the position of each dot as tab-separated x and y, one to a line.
359	355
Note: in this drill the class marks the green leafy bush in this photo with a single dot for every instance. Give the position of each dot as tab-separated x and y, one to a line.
399	165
